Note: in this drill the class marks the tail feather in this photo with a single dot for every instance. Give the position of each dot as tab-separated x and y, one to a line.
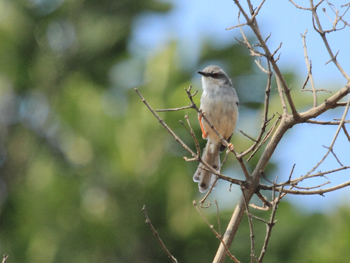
211	156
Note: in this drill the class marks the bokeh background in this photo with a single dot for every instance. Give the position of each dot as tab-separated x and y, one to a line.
80	154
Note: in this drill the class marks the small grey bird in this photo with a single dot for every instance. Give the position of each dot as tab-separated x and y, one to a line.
219	103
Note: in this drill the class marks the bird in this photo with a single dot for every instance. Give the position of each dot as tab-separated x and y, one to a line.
219	104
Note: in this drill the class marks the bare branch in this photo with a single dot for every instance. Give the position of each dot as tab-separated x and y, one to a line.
316	90
190	130
335	156
246	43
266	110
314	192
166	126
337	18
257	10
282	99
258	63
269	226
308	65
251	229
300	7
274	53
270	57
216	233
155	232
329	103
175	109
325	122
268	134
192	106
319	174
305	82
346	132
218	215
324	38
201	202
246	135
240	25
330	148
312	187
231	229
4	258
340	104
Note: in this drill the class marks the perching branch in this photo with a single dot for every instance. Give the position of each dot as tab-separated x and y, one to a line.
194	155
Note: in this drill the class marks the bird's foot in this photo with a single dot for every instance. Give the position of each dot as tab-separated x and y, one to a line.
230	147
200	116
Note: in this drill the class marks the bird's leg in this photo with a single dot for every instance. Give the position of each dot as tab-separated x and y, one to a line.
231	147
204	134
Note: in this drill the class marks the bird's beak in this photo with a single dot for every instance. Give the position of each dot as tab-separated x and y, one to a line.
203	73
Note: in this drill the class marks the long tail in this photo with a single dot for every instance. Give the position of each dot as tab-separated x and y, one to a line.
211	156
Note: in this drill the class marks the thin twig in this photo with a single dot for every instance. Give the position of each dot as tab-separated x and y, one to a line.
155	232
335	156
309	67
319	174
240	25
251	229
266	202
269	226
326	122
268	205
330	148
314	192
216	233
316	90
300	7
268	134
268	54
261	208
165	125
322	33
4	258
225	158
281	94
218	215
312	187
346	133
305	83
190	130
175	109
265	121
201	202
246	135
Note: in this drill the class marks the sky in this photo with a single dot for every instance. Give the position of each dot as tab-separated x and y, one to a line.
189	22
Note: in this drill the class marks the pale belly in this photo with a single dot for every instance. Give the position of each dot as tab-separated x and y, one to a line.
222	112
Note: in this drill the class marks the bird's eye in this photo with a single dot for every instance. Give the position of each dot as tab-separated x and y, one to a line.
215	75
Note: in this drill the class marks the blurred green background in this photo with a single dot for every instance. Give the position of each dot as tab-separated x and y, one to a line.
80	154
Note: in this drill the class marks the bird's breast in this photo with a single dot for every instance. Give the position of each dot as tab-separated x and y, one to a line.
221	109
